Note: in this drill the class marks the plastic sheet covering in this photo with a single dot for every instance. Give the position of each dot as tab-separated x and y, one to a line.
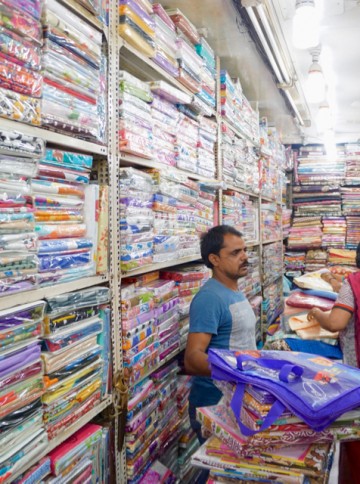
184	25
20	394
19	22
12	165
19	107
31	7
15	143
75	161
20	79
128	31
132	10
14	47
170	93
55	361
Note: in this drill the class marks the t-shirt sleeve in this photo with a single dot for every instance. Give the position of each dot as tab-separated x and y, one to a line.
205	313
345	299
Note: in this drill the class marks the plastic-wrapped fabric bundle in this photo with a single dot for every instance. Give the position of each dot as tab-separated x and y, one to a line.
137	27
184	25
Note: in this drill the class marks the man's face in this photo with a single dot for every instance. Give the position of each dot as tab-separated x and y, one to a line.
232	260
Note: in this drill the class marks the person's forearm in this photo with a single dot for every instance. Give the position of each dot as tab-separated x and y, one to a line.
196	363
324	320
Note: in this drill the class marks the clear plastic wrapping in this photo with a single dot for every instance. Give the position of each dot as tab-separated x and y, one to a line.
172	94
16	48
184	25
78	299
138	39
19	107
19	22
16	143
20	79
138	16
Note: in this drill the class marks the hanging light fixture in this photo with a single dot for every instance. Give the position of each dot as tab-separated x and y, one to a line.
306	25
324	118
315	85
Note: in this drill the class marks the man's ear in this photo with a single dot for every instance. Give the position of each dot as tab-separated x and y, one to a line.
214	259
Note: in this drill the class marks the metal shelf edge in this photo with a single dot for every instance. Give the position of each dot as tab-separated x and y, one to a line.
241	190
63	436
48	291
54	137
239	133
271	241
160	265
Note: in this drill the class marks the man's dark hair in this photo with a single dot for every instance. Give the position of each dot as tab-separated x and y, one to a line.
213	241
358	256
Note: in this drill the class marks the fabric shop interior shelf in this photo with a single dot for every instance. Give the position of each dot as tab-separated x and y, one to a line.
241	190
64	435
239	133
160	265
50	291
271	241
135	161
61	140
85	14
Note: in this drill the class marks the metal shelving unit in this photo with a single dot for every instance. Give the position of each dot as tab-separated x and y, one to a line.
160	265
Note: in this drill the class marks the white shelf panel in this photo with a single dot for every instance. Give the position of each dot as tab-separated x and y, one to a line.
268	199
85	14
64	435
161	265
239	133
241	190
49	291
144	68
252	243
271	241
62	140
129	160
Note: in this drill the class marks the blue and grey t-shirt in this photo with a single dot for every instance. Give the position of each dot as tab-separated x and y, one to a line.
229	318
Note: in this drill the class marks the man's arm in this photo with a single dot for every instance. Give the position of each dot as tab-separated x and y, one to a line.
196	359
335	320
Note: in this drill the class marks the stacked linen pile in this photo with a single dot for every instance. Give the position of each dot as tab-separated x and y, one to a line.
231	100
83	457
334	232
166	119
73	92
317	200
294	263
315	260
136	126
270	221
188	441
136	25
75	356
19	157
247	174
352	232
159	473
286	221
190	63
228	154
165	41
352	164
206	161
22	433
269	177
208	73
204	207
136	219
187	140
350	197
341	257
20	54
250	285
188	279
65	216
272	263
315	168
305	233
272	305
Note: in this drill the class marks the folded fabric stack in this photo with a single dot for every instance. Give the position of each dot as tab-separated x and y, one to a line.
342	257
205	214
187	140
228	154
206	160
352	232
74	91
270	176
136	25
270	221
136	219
272	263
76	356
286	221
207	73
350	198
352	171
165	41
334	232
65	221
250	285
272	305
317	200
294	263
188	441
315	168
21	81
84	456
19	158
305	233
136	123
22	433
315	260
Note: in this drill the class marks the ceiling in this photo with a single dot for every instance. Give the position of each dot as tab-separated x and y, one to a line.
228	30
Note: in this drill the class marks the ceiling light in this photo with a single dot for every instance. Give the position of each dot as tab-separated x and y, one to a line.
315	85
324	118
306	25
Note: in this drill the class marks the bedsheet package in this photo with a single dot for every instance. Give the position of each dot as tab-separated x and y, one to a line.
165	45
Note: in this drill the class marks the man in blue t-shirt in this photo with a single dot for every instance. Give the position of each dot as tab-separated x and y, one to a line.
220	315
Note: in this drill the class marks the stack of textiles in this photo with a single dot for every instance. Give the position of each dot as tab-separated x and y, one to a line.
305	233
272	262
352	172
250	285
165	118
205	213
188	441
75	356
190	63
207	73
188	279
206	161
273	304
187	140
22	433
21	81
314	167
270	178
74	90
241	212
334	232
270	221
136	219
19	158
294	263
350	197
286	221
65	216
137	26
165	41
136	120
316	200
315	260
352	232
158	473
342	257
